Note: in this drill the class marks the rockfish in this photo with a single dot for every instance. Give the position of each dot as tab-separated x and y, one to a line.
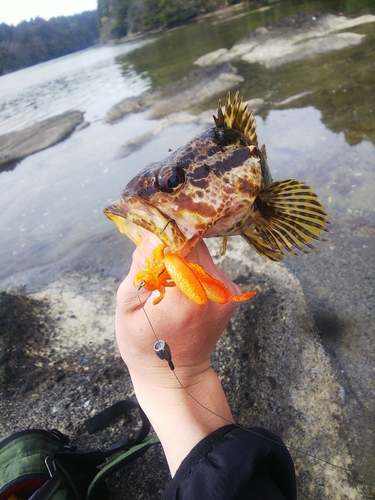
219	184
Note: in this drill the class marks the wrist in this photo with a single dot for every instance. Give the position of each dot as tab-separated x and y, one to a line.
182	415
152	372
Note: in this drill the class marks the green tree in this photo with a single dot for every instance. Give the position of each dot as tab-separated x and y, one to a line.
31	42
178	11
120	27
135	16
151	14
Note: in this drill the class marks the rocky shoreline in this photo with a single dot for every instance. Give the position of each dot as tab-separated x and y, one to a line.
60	344
59	363
287	40
291	39
193	90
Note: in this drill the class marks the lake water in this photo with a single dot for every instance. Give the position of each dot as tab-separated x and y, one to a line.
318	124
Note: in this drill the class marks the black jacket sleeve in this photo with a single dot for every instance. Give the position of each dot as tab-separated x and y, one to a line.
234	463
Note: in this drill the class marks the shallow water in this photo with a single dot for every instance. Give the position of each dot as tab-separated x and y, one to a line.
89	80
318	125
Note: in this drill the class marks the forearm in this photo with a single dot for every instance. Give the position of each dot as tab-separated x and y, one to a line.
179	420
191	330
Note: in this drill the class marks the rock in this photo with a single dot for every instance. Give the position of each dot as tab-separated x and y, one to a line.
275	53
214	57
205	118
61	365
277	374
291	39
132	105
194	95
82	125
190	91
17	145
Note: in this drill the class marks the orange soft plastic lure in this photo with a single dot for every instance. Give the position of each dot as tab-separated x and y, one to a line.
173	270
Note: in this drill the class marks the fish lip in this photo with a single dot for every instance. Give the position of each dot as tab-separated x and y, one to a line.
131	213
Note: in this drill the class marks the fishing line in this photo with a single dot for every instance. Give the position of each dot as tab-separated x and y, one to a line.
163	351
169	221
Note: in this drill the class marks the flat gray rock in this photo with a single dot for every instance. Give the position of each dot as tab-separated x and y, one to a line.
192	90
21	143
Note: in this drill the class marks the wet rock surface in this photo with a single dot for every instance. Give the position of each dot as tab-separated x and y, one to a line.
17	145
291	39
292	387
60	365
192	90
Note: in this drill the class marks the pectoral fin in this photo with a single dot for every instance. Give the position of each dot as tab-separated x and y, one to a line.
287	215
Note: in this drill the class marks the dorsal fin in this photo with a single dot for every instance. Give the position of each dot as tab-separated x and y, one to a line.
237	117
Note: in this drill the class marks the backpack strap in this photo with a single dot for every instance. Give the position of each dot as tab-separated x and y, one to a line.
116	463
122	452
103	419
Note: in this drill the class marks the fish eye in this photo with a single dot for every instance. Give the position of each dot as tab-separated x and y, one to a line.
171	179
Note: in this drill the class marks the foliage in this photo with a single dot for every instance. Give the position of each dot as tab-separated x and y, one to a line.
133	16
120	27
38	40
174	11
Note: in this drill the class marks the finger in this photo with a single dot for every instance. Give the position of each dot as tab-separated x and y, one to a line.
143	252
129	298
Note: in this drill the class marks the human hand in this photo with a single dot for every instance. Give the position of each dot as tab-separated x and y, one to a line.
191	398
190	330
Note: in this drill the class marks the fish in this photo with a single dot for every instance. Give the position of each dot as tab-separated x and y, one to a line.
219	185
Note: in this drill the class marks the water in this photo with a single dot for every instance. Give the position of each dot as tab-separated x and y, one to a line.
89	80
52	202
318	124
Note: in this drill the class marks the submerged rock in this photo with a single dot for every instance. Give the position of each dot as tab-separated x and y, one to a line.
205	118
21	143
191	90
65	367
291	39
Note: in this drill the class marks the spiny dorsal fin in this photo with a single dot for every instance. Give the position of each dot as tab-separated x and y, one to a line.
237	117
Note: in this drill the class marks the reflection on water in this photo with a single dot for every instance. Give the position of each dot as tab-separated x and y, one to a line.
318	125
341	88
300	145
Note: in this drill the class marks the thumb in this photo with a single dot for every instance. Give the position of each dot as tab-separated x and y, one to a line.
143	252
128	297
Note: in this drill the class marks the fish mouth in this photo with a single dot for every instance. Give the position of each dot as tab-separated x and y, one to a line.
131	214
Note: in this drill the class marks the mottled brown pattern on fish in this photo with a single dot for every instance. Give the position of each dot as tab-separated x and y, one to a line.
219	184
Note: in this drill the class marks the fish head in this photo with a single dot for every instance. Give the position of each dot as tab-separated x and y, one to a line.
203	189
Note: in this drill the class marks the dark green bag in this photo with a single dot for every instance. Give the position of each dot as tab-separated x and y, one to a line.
42	465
